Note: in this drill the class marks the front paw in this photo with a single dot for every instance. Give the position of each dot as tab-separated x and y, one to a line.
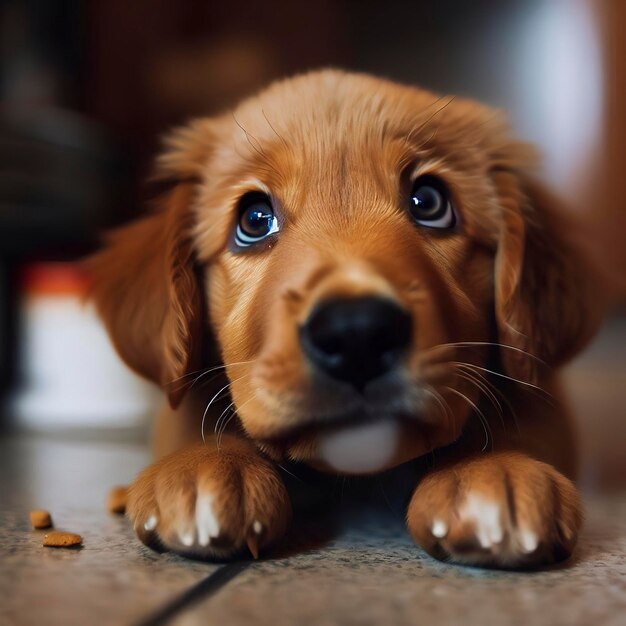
502	510
211	503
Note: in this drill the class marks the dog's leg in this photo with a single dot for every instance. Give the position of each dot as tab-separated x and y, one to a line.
500	509
210	501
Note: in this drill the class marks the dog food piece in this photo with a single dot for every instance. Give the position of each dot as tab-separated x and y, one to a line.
59	539
116	502
40	519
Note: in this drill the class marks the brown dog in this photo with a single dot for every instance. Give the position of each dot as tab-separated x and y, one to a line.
369	275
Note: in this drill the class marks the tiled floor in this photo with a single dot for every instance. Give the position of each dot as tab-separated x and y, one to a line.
370	573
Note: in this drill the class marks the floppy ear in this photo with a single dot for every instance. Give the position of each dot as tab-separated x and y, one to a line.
544	300
146	289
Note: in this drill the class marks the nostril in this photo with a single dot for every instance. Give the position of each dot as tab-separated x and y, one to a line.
356	339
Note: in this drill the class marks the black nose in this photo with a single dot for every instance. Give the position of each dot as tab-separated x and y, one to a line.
356	340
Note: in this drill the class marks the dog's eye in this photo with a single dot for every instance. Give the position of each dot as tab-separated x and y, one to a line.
430	204
256	219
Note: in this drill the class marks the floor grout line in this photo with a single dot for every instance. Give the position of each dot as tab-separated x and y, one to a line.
205	588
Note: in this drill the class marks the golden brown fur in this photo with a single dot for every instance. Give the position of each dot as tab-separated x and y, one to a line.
337	152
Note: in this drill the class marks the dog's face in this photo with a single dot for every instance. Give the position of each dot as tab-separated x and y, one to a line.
358	245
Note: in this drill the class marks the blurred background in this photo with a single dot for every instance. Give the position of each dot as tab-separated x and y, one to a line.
87	87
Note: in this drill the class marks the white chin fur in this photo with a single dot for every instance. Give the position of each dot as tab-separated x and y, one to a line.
360	449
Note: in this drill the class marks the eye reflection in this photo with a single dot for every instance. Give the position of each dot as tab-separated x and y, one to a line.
257	219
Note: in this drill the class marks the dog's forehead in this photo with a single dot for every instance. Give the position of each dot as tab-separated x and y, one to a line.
335	123
310	118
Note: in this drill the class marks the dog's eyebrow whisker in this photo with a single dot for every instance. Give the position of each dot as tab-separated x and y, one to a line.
257	148
274	130
427	141
481	416
419	127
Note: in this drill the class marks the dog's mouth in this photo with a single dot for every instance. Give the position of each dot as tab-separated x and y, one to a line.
354	444
360	448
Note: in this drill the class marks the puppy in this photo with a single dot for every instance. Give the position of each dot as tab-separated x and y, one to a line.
364	274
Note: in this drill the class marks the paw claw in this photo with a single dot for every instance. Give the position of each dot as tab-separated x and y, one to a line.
257	527
253	545
151	523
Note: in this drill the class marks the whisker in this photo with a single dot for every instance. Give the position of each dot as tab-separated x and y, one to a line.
480	380
481	415
420	125
217	368
220	434
469	344
275	131
203	371
204	374
495	391
208	406
441	401
234	412
282	467
541	392
487	392
517	332
174	380
257	148
217	422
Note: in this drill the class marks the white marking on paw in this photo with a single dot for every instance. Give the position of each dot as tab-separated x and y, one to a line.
360	449
257	527
439	528
186	538
206	521
529	540
151	523
486	517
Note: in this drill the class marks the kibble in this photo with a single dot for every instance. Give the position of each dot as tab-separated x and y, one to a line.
116	502
59	539
40	519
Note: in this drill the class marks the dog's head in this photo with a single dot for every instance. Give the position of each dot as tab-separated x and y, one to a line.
349	249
